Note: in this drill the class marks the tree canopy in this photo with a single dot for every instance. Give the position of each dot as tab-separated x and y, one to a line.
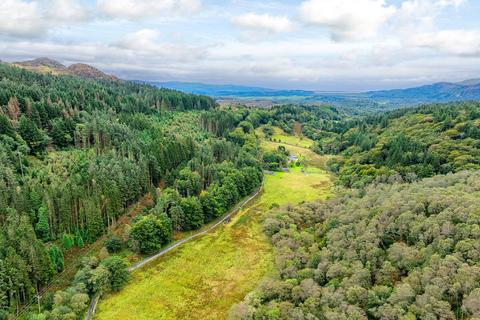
393	251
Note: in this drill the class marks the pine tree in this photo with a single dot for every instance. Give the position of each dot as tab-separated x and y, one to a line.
56	256
67	241
42	227
36	139
78	239
6	126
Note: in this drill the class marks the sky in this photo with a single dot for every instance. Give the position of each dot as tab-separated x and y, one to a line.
344	45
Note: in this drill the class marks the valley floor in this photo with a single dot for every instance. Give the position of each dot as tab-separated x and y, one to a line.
202	279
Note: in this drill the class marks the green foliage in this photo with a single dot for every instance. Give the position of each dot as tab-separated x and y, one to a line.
56	256
316	121
70	303
113	244
220	122
151	232
35	138
119	274
274	160
24	261
188	183
246	126
62	132
5	126
392	251
193	214
109	143
42	227
93	278
67	241
405	144
78	239
268	131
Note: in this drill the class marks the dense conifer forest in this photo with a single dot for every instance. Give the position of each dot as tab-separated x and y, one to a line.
76	153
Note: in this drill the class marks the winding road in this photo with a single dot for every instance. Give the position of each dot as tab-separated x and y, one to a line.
94	301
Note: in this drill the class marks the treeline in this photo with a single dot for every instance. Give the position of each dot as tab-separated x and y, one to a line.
93	278
406	144
314	120
41	95
391	251
45	110
75	153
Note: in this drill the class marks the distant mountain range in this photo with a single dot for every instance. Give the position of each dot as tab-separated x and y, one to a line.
437	92
433	93
250	95
225	90
47	65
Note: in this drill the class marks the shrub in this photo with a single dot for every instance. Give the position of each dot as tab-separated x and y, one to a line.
118	272
150	233
113	244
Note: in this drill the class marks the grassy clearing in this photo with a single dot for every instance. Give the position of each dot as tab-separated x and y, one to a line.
296	186
282	137
200	280
308	157
204	278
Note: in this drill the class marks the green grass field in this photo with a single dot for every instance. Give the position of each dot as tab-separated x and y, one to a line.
280	136
308	157
205	277
296	186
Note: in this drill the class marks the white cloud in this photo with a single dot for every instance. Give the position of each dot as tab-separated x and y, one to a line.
264	22
347	19
66	11
145	39
20	18
320	64
455	3
458	42
138	9
419	15
399	44
148	42
415	25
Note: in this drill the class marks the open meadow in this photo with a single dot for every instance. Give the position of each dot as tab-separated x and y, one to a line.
205	277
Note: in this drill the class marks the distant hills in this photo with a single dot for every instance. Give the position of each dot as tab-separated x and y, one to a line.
433	93
437	92
47	65
226	90
250	95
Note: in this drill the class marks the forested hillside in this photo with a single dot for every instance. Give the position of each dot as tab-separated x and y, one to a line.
75	153
392	251
404	144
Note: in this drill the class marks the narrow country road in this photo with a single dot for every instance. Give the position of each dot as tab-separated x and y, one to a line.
94	301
